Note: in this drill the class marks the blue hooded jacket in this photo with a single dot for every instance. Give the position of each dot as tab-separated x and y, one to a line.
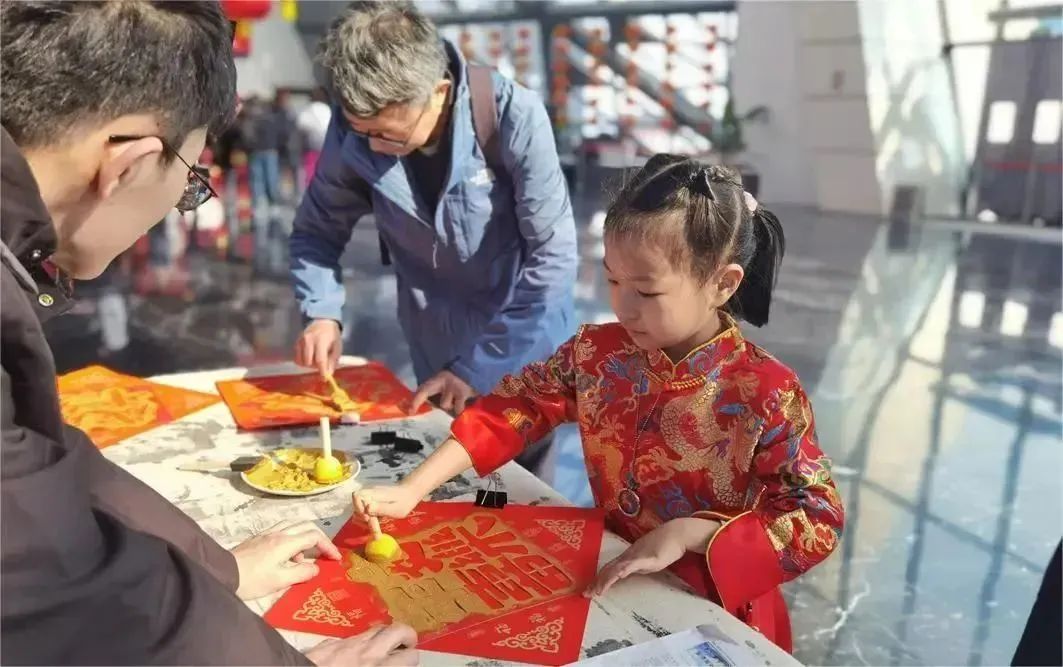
485	281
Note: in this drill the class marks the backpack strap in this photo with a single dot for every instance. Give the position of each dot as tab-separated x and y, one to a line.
485	115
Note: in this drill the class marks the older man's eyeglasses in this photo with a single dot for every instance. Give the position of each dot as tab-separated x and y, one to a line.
393	143
197	190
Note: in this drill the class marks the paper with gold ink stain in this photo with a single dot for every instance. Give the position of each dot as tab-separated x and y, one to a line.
110	407
302	399
499	584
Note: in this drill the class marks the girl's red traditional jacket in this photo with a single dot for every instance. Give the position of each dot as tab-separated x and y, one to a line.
726	434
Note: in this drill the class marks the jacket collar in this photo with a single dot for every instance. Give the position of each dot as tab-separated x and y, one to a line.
700	363
28	234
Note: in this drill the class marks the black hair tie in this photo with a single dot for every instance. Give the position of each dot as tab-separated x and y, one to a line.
701	182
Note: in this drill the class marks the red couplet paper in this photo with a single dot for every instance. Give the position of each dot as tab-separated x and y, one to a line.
500	584
110	407
295	400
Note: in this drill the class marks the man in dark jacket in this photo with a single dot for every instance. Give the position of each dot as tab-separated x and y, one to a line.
104	105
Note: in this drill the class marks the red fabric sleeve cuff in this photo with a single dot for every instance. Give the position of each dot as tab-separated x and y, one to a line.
714	516
742	562
487	435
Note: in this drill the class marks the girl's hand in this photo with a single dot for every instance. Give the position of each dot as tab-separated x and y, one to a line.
388	501
655	551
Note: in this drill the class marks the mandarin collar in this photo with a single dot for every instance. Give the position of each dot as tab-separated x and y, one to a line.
698	365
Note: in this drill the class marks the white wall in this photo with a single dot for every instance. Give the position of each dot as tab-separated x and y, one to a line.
803	61
765	71
278	59
860	98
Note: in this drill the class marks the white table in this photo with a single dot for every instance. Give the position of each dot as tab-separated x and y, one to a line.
636	610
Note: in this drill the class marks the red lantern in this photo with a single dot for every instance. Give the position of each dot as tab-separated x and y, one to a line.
242	39
246	10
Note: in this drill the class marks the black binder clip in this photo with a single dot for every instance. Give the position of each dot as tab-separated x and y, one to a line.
408	445
382	437
493	497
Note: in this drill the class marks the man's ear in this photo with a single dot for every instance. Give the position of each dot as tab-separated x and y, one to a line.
443	88
123	162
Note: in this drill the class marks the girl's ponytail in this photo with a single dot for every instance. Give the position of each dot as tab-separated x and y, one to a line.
752	301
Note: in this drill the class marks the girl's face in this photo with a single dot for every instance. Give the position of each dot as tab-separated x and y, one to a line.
661	305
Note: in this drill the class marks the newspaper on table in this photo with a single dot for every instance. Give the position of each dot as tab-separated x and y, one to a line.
703	645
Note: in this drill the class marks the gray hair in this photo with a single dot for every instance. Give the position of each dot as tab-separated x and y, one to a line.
379	54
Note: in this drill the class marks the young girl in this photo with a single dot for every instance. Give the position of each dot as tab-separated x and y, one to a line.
699	445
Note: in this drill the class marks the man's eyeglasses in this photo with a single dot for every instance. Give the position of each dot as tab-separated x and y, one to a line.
198	188
393	143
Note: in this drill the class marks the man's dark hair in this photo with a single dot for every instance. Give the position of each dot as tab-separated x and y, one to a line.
65	65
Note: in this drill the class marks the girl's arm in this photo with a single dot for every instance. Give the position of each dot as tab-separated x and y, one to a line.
521	410
797	518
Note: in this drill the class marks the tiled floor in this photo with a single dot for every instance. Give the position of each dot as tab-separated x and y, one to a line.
933	357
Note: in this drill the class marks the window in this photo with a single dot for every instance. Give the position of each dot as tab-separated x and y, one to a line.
1001	122
1046	121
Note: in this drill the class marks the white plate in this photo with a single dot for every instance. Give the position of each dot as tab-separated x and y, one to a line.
356	468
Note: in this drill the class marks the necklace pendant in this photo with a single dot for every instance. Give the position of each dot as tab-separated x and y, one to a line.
629	502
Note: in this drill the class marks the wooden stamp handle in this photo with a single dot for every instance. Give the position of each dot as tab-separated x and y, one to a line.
374	523
374	527
326	436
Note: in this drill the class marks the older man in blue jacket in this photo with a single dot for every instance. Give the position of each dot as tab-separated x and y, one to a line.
482	238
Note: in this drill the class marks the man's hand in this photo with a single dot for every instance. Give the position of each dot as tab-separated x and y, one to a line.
273	560
453	392
383	645
320	346
655	551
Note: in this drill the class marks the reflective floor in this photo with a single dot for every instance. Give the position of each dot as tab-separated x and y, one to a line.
932	355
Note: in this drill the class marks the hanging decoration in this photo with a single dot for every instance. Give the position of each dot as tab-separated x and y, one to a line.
667	97
243	13
559	74
246	10
711	38
241	39
289	10
628	102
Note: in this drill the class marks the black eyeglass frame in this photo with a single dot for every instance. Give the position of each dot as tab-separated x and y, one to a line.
199	176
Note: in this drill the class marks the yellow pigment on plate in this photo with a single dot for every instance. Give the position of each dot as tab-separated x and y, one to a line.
292	470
